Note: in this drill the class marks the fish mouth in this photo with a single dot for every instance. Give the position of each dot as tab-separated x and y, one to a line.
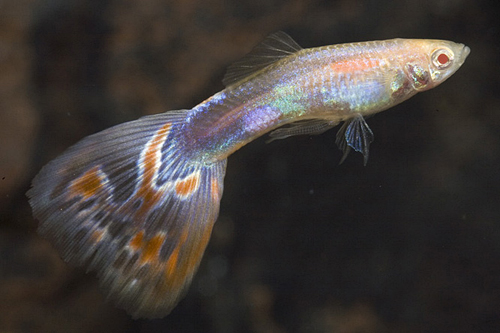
463	54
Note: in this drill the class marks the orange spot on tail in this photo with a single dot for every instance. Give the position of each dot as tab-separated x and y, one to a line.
214	189
172	263
88	184
199	248
97	235
136	242
186	257
188	185
151	161
149	249
152	155
173	260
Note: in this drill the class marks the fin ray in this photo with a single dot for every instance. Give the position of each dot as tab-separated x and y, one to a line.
129	204
273	48
356	134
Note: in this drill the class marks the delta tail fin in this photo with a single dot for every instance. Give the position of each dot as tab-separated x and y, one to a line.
130	205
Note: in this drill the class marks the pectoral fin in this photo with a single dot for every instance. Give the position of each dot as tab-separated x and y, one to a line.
355	133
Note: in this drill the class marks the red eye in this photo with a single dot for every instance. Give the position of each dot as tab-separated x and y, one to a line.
443	59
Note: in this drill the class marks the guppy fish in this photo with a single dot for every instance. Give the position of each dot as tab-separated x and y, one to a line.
137	202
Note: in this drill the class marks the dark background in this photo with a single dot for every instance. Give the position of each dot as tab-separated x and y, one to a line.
409	243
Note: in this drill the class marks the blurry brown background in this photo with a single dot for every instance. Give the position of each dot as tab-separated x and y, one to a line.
409	243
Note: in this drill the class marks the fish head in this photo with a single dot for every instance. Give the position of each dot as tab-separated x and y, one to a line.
437	60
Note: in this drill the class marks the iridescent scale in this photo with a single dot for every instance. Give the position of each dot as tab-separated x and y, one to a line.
329	84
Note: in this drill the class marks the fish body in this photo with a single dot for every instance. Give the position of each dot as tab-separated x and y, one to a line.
327	84
137	202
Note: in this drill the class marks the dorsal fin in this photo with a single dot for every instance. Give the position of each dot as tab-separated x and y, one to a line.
273	48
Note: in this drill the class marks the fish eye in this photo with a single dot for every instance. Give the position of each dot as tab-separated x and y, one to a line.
442	58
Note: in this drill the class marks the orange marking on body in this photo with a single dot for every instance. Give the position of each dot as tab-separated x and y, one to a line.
188	185
88	184
351	65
